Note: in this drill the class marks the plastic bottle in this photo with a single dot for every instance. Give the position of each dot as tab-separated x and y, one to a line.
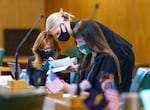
24	75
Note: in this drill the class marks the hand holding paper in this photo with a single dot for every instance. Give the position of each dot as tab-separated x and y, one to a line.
61	64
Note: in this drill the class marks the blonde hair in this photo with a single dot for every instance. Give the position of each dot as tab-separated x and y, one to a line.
55	19
42	39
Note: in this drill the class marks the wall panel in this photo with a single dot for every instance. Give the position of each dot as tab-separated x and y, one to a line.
129	18
20	14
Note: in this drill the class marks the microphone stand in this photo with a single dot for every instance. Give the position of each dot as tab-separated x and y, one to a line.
21	43
96	6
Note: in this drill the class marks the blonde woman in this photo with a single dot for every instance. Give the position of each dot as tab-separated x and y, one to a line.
45	46
60	25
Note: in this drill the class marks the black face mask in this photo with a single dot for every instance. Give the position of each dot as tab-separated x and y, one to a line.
46	54
64	36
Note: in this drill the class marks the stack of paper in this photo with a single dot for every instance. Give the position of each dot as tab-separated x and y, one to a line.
61	64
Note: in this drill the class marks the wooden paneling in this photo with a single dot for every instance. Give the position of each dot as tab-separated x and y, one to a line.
20	14
129	18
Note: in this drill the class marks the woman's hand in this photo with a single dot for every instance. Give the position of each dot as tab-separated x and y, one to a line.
71	69
84	94
74	60
66	86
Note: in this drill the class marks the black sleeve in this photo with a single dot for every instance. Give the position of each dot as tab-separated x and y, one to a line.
30	69
29	65
104	65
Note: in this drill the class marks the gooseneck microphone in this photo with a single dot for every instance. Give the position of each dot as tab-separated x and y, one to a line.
96	6
21	43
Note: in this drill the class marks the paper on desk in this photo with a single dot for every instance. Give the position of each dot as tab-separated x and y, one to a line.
4	79
61	64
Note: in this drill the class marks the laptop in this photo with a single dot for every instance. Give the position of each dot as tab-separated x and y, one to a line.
12	66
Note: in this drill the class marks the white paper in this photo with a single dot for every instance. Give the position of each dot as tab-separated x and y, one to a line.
145	97
61	64
4	79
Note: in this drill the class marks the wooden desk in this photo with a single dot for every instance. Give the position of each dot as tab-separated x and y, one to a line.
4	70
15	86
58	102
21	60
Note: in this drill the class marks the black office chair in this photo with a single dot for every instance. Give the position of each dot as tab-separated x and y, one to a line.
27	100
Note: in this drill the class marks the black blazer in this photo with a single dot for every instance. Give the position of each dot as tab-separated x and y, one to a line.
124	52
38	77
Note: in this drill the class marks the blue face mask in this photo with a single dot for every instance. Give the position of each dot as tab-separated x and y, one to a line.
84	49
64	36
46	66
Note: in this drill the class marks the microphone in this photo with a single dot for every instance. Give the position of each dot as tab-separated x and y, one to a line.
96	6
21	43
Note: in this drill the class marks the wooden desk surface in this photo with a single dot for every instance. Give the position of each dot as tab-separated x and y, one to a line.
4	70
12	59
58	102
21	60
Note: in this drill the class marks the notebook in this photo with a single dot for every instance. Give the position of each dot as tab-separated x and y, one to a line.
12	66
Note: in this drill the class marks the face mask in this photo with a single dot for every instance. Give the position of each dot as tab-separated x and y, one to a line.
64	36
46	54
84	49
46	66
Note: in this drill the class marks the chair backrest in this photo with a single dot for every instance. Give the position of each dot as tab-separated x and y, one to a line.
2	52
141	80
72	52
27	100
145	84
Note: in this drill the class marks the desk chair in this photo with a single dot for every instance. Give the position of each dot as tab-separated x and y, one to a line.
27	100
141	80
2	51
72	52
145	84
138	65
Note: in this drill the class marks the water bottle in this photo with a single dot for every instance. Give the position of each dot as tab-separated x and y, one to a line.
24	75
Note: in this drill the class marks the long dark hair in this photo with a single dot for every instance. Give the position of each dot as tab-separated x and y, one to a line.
95	40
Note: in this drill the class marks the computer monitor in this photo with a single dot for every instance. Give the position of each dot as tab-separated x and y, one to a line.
12	66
